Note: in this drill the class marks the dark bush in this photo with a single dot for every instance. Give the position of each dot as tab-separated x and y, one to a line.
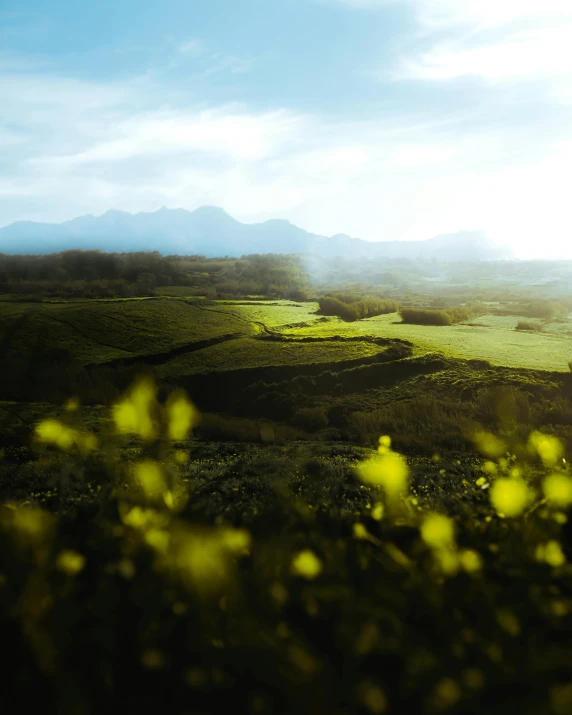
419	316
423	316
348	308
524	325
311	419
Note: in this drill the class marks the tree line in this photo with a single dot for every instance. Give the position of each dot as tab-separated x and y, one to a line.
352	307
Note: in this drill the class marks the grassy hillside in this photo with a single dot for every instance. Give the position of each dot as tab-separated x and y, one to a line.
495	341
251	353
99	331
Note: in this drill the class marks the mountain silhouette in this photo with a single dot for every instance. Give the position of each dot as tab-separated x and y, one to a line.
209	231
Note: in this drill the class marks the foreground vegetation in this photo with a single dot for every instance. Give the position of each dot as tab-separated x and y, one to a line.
356	513
135	571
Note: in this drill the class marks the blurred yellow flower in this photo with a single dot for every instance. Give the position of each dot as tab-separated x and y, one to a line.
551	553
149	476
54	432
182	416
509	622
72	405
437	531
374	699
547	447
510	497
31	523
386	470
489	468
557	489
306	564
384	444
70	562
488	444
377	511
447	560
470	560
204	558
134	414
359	531
447	693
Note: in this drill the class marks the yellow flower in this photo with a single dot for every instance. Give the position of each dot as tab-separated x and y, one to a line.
510	497
204	559
551	552
448	561
374	699
437	531
548	448
70	562
470	560
387	470
52	431
447	693
509	622
149	475
488	444
557	489
31	523
384	444
377	511
134	414
359	531
182	416
72	405
489	468
306	564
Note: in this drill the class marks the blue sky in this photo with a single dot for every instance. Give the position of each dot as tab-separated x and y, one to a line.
383	119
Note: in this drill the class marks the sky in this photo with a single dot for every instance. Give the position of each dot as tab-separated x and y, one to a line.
381	119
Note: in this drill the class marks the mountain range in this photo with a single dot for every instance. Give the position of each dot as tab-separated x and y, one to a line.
211	232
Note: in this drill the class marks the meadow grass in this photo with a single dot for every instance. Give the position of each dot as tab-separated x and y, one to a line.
249	353
274	313
96	332
499	344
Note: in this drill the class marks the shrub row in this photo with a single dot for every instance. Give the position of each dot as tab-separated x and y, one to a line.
357	309
524	325
423	316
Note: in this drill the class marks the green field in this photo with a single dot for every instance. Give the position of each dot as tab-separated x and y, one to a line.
95	332
248	352
273	313
496	342
99	331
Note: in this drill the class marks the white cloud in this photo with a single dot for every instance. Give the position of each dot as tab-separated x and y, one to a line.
83	147
495	40
533	54
226	132
510	41
481	13
488	13
529	55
